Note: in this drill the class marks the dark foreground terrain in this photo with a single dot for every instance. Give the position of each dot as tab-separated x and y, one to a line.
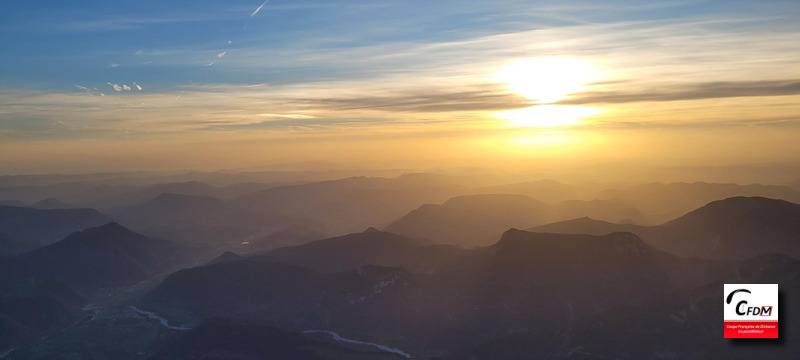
576	288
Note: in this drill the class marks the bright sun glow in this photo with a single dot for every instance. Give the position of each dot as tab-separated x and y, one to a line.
546	80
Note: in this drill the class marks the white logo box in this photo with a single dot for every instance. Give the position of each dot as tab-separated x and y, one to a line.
761	295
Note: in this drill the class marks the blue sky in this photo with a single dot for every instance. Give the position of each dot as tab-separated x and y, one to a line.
56	44
209	72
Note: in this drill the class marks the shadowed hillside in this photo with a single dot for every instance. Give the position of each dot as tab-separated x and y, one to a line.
739	227
105	256
353	251
24	229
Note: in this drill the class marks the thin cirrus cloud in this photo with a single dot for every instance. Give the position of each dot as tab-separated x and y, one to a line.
427	101
237	107
683	92
646	52
302	108
126	23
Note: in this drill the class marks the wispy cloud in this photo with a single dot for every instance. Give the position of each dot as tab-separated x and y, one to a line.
491	98
116	87
696	91
232	107
86	90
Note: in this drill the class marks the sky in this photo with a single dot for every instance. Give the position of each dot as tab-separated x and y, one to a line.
153	85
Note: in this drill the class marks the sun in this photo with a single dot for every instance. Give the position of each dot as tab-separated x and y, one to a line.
545	80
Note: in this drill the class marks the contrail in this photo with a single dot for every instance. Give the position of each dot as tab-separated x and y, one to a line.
259	8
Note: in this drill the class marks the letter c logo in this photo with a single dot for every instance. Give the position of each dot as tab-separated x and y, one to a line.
740	312
730	296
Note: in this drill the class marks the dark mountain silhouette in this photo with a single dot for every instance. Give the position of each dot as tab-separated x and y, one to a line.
291	296
34	310
739	227
663	202
578	265
372	246
683	329
471	220
478	295
51	203
611	296
349	205
219	338
589	226
104	256
592	287
614	211
24	229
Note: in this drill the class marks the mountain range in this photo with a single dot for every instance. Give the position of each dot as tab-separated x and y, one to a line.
196	270
105	256
46	289
479	219
23	229
739	227
529	294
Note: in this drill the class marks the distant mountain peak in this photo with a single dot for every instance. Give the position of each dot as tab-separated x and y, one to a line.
514	238
107	255
109	233
741	207
371	230
226	257
513	232
737	227
112	226
51	203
